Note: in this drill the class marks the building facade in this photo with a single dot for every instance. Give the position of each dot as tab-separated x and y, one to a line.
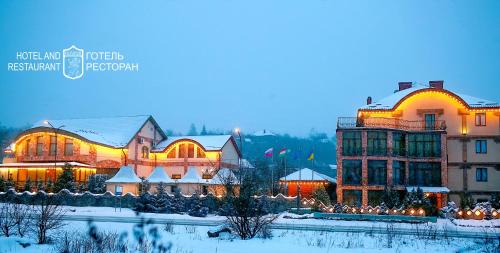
103	145
420	136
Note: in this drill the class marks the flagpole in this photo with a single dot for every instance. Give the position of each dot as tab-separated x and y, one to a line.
272	174
286	182
300	180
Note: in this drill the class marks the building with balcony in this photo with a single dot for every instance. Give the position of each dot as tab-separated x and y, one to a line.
103	145
423	136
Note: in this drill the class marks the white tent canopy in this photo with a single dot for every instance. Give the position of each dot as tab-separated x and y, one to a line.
191	177
428	189
125	175
223	176
307	174
158	175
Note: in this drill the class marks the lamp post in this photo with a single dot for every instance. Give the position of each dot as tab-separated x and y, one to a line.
46	122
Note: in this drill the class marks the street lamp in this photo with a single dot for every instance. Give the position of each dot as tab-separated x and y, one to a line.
46	122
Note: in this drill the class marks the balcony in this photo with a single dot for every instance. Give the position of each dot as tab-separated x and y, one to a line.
392	123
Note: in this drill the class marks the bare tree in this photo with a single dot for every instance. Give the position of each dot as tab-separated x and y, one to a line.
22	216
7	219
47	216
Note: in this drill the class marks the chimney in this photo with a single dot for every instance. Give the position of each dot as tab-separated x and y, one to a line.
368	100
404	85
436	84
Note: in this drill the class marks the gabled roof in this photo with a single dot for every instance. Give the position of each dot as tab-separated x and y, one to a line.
191	177
223	176
116	132
125	175
392	101
158	175
307	174
208	142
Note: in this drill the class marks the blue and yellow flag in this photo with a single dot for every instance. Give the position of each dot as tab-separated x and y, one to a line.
311	156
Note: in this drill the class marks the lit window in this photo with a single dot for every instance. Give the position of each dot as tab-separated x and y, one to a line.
68	146
176	176
172	153
481	119
145	152
53	145
190	150
200	153
182	151
39	145
482	174
27	148
481	147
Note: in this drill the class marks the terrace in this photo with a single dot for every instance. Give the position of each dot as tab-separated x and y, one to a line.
392	123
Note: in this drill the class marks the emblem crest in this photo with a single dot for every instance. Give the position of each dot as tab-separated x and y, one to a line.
73	62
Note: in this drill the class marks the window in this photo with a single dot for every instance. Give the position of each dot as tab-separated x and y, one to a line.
27	148
377	172
377	143
172	153
430	121
425	174
176	176
174	189
204	190
352	197
351	143
200	153
68	146
351	172
182	150
398	172
145	152
424	145
398	144
190	150
53	145
481	119
482	174
39	145
375	197
481	147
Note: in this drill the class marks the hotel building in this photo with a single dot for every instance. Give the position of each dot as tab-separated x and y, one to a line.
426	136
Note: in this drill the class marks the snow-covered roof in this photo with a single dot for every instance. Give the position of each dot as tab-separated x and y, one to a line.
209	142
223	176
390	101
113	131
263	132
125	175
307	174
429	189
158	175
247	164
45	164
191	177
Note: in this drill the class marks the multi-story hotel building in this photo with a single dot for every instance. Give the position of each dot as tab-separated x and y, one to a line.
103	145
446	143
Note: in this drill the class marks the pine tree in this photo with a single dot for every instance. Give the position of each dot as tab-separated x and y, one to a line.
321	196
161	199
197	209
66	180
192	130
177	204
50	185
27	185
144	203
39	185
3	185
390	198
203	130
97	183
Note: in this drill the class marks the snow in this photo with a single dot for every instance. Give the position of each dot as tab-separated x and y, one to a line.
158	175
191	177
390	101
58	164
114	131
209	142
246	164
428	189
307	174
222	176
124	175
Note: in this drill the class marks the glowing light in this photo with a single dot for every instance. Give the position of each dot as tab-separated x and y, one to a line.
412	211
494	213
460	212
46	122
469	212
354	210
421	212
477	213
237	130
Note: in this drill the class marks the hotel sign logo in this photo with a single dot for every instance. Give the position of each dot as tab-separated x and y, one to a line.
73	62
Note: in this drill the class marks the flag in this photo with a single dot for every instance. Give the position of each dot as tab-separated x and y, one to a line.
283	152
268	152
296	155
311	156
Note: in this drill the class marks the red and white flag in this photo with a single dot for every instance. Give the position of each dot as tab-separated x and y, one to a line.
268	152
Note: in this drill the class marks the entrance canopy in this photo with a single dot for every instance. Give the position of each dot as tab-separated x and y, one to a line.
307	174
429	189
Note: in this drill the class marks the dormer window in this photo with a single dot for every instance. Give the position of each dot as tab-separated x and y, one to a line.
145	152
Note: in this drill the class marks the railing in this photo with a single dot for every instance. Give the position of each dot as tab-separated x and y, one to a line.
376	122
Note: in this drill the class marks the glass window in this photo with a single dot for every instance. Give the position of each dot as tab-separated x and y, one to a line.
375	197
27	150
145	152
68	146
424	145
190	150
425	174
172	153
481	147
182	150
39	145
352	197
377	172
398	144
376	143
200	153
351	143
176	176
430	121
482	174
398	172
53	145
481	119
351	172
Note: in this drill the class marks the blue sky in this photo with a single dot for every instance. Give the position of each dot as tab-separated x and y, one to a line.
283	65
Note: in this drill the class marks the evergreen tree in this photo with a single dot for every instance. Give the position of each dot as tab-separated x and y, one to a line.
144	186
50	185
177	204
417	199
39	185
203	130
161	199
97	183
192	130
3	185
321	196
27	185
66	180
144	203
10	183
197	209
390	198
466	201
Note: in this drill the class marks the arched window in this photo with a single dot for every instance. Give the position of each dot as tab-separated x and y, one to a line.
145	152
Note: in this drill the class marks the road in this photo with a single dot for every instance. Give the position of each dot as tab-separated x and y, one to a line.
491	233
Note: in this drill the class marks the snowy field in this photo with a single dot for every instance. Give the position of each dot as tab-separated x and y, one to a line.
194	239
